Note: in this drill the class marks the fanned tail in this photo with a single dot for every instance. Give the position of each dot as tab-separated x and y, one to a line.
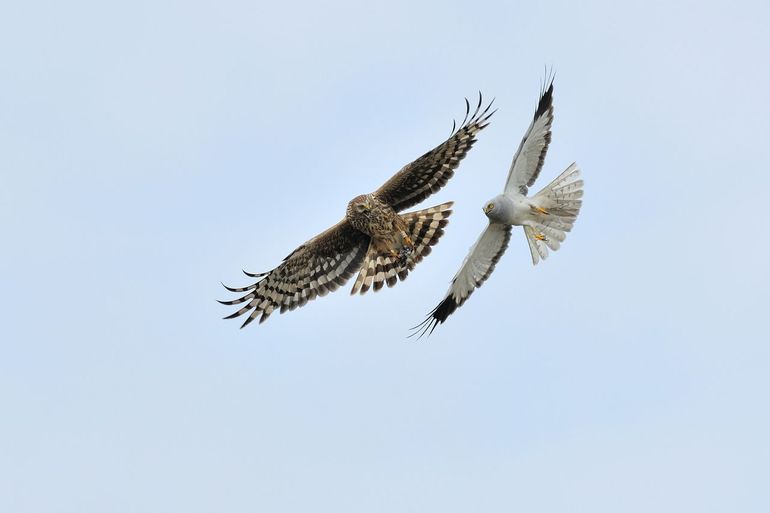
561	201
425	228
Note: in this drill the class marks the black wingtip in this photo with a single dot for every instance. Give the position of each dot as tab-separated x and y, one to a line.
235	314
254	275
248	321
238	289
437	316
546	97
484	117
467	112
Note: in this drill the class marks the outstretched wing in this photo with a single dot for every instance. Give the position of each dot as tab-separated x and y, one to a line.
476	268
528	160
320	265
429	173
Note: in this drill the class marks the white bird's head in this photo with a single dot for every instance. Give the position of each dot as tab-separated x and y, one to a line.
497	208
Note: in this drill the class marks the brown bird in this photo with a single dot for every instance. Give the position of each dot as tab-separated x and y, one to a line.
373	237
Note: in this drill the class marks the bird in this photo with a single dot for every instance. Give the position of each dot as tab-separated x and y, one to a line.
545	217
372	239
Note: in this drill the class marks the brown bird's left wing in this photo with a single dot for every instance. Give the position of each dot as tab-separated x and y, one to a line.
321	265
429	173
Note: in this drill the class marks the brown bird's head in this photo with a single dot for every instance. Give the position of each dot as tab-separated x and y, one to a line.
360	205
366	213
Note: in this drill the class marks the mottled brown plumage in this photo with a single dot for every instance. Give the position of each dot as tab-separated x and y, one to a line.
386	261
373	237
378	220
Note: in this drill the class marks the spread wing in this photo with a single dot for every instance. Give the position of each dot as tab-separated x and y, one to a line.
528	160
429	173
476	268
318	266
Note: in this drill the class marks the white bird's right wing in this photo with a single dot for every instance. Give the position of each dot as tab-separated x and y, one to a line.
476	268
528	160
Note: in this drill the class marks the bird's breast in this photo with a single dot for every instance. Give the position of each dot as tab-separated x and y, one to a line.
520	210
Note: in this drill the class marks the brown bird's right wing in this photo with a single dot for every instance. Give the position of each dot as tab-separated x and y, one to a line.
429	173
322	264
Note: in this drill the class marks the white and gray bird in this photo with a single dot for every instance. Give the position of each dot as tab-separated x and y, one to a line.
546	217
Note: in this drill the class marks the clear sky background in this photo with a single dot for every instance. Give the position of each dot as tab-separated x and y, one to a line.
150	149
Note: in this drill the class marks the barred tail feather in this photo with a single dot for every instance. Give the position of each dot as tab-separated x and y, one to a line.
425	228
561	199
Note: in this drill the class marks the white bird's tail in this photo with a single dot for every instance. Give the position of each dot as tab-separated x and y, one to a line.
555	209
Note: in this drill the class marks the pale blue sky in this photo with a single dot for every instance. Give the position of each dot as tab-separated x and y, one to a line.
149	150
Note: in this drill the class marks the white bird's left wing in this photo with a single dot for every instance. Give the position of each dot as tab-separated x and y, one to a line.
474	271
528	160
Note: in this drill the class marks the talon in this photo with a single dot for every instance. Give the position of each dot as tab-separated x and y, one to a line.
540	236
408	240
540	210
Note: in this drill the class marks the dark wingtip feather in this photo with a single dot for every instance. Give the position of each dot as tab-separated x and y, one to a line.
437	316
254	275
238	313
467	111
474	117
444	309
248	321
239	289
546	95
483	116
545	103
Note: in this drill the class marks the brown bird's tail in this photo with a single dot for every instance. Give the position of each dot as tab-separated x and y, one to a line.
425	228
